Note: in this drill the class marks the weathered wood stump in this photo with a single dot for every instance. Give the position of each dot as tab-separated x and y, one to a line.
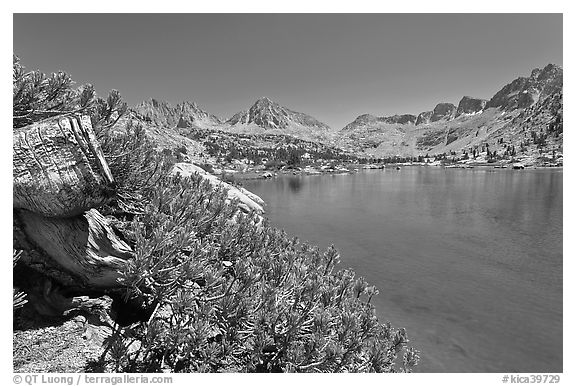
86	246
60	176
59	168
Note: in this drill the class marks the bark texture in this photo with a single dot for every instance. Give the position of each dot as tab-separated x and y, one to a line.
59	169
60	176
85	246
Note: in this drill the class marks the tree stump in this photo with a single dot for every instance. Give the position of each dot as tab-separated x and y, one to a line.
59	169
60	176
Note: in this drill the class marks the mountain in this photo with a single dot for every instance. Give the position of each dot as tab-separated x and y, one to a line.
469	105
527	112
444	111
183	115
523	92
371	131
267	116
168	126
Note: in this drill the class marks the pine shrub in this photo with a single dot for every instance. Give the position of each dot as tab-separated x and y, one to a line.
37	96
135	163
232	293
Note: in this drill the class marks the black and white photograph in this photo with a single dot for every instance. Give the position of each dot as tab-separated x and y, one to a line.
287	193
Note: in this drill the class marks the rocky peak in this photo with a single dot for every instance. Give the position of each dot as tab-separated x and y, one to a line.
162	113
265	105
155	111
189	106
535	73
424	117
551	80
443	111
264	101
551	71
155	103
268	114
469	105
191	113
365	118
525	91
399	119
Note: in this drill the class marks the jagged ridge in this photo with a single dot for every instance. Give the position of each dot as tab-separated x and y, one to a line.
185	114
474	121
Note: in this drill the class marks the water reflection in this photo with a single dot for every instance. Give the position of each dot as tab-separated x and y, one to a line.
295	184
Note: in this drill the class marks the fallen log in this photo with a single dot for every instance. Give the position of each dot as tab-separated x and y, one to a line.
85	247
59	169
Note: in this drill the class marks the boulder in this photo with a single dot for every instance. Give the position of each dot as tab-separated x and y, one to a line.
247	201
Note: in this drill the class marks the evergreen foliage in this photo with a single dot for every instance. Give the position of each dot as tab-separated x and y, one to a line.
36	96
135	164
232	293
228	291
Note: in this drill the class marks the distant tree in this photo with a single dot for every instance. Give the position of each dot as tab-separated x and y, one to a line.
293	158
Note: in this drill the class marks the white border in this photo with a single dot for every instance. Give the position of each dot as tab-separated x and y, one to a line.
298	6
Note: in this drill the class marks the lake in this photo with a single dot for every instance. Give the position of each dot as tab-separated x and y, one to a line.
468	261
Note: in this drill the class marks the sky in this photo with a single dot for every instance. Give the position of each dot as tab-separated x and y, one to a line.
334	67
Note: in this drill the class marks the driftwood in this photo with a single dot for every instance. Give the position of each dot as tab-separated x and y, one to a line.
85	246
59	169
60	176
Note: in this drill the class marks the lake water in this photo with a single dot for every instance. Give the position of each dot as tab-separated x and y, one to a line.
468	261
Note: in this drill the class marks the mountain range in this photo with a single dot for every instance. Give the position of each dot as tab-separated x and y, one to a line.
185	114
524	105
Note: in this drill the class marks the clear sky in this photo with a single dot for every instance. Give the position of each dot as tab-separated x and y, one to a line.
331	66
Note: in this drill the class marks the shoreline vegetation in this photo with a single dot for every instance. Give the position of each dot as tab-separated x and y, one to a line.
143	270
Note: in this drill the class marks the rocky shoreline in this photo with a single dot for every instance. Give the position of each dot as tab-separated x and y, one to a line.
355	168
